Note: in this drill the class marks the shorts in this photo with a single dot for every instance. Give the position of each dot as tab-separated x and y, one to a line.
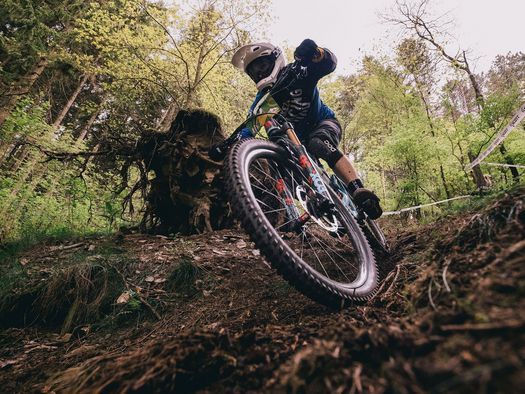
324	139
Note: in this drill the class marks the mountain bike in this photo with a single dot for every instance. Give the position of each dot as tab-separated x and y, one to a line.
301	218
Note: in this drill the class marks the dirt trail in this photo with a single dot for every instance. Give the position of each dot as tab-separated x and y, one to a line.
205	313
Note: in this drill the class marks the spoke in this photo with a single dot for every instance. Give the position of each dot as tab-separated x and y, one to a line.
257	179
276	169
275	210
266	191
264	173
295	237
305	179
339	241
302	243
313	240
331	258
284	224
335	252
263	203
317	257
263	185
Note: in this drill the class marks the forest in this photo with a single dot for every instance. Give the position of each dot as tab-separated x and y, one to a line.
109	225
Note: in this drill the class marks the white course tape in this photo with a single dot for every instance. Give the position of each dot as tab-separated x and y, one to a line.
500	137
504	165
424	205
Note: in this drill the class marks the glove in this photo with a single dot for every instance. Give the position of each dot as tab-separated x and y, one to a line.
307	51
368	202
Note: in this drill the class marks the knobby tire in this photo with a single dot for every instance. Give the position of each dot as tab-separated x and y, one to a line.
282	257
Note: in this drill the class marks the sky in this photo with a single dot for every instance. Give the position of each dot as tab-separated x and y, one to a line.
353	28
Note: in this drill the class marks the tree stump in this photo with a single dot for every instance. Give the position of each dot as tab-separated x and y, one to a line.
186	195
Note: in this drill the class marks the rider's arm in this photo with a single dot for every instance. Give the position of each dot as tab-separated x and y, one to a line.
323	65
318	61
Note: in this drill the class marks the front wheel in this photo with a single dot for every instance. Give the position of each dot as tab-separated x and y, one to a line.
317	246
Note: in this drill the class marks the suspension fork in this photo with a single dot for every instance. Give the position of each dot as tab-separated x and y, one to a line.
286	198
308	166
343	194
313	177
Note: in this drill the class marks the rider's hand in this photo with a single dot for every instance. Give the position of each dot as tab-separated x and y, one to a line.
307	51
368	201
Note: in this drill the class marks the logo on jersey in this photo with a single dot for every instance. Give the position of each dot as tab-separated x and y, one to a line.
296	108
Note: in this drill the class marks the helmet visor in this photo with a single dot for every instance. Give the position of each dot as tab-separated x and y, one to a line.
260	68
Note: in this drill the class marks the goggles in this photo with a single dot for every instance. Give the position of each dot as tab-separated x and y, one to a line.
260	68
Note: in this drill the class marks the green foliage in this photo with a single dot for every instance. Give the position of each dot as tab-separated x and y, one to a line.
29	30
26	120
112	71
98	75
411	144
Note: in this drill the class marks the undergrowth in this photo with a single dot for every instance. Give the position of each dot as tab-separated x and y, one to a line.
183	279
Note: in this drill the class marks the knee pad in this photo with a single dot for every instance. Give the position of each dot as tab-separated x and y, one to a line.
324	149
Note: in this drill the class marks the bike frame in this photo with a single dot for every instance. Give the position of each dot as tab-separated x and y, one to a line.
317	179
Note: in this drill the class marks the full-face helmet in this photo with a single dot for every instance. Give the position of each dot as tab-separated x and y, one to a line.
262	61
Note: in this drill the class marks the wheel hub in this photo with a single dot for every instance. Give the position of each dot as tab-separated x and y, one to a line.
318	207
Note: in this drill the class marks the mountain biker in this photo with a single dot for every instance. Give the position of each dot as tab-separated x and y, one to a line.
299	102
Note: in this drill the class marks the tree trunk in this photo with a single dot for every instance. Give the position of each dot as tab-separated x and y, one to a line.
480	99
167	118
443	179
35	168
192	89
60	117
23	88
10	100
85	130
477	174
433	133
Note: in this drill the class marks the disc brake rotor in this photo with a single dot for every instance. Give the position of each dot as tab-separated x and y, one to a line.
325	220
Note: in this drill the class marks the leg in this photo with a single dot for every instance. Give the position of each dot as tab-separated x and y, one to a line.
322	142
345	170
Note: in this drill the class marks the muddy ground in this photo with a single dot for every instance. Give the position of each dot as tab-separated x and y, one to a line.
205	313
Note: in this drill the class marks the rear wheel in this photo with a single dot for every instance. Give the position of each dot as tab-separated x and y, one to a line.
317	245
376	237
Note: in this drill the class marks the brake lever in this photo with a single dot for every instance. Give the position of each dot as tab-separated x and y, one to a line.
298	72
299	69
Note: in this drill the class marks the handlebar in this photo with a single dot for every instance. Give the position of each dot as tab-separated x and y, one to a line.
291	74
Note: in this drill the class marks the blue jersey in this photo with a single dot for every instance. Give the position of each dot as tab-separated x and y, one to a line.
300	103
